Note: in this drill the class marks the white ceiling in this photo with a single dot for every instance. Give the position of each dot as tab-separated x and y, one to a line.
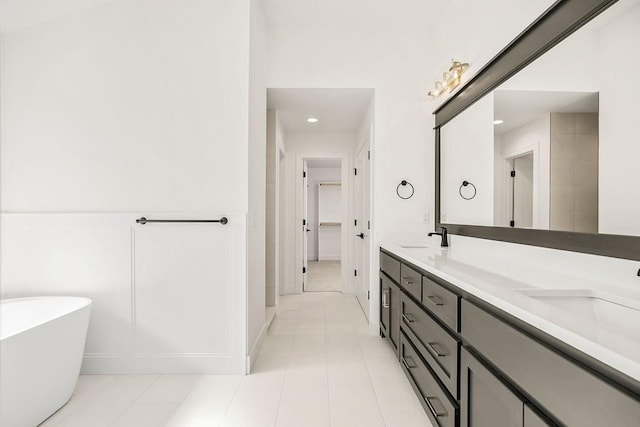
19	14
16	15
324	163
518	107
337	110
352	13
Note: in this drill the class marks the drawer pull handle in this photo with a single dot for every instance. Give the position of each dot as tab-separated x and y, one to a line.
436	349
408	280
385	298
407	319
437	413
436	300
405	362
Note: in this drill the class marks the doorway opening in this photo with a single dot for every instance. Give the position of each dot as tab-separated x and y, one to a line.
325	220
324	213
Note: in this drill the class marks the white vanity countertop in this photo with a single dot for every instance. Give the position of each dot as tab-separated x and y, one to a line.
611	336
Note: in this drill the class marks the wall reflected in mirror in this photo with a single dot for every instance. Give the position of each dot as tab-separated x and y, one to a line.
556	147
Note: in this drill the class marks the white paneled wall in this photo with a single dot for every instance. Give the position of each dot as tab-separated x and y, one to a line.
167	298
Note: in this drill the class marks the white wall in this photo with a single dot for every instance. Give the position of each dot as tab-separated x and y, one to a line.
257	176
534	136
125	106
393	60
138	106
300	146
475	31
314	177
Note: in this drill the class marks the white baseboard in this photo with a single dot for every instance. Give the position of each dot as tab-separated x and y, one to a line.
257	345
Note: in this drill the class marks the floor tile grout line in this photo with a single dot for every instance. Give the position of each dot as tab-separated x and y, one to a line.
327	373
115	420
235	393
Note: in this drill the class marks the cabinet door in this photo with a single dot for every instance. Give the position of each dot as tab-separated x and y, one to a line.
531	419
394	314
484	400
384	304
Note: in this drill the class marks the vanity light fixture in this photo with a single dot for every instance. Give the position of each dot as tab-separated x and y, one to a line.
498	122
312	120
451	79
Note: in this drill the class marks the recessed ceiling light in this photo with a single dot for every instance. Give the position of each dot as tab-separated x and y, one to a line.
312	120
498	122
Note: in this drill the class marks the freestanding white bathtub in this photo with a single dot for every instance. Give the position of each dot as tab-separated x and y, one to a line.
41	345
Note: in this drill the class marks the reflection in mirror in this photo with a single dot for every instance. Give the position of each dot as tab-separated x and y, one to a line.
556	146
546	160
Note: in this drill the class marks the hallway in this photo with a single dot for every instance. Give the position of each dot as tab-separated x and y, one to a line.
319	366
323	276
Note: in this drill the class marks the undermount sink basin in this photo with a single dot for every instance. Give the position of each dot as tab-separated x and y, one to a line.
618	314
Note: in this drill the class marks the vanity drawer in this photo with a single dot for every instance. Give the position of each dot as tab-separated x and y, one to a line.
442	411
390	266
441	302
411	281
437	347
562	387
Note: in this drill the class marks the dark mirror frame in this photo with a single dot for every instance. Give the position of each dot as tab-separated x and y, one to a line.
562	19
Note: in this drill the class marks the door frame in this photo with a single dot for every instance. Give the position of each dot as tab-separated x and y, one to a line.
507	159
280	192
346	167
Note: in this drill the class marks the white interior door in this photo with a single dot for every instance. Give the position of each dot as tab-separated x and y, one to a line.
362	226
523	191
305	224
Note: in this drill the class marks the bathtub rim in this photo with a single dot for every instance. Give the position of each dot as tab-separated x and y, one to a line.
86	303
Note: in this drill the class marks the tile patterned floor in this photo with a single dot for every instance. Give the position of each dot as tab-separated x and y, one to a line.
323	276
320	366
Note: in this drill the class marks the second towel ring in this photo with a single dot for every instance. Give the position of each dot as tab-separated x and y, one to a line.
465	184
404	183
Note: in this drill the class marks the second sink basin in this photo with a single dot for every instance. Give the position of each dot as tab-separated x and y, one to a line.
618	314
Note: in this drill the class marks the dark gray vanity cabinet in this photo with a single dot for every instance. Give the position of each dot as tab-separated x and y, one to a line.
444	304
486	401
428	351
473	366
390	299
440	407
389	310
411	281
567	391
394	315
384	305
438	348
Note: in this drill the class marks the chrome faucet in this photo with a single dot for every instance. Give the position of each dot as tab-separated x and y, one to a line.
443	233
